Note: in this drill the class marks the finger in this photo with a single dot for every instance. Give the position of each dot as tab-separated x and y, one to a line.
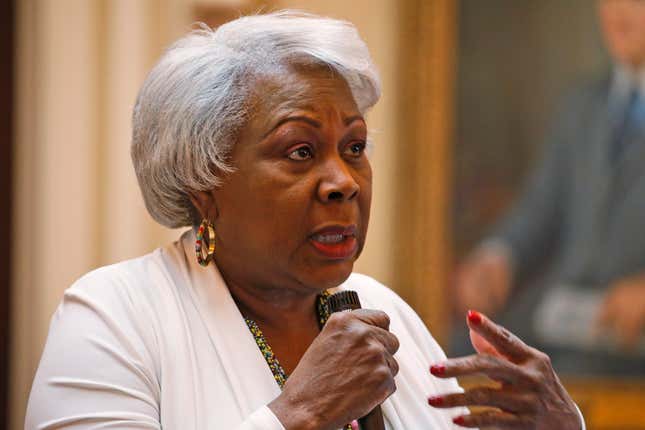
497	419
372	317
629	328
481	345
602	321
500	338
486	396
386	338
607	313
495	368
392	364
359	324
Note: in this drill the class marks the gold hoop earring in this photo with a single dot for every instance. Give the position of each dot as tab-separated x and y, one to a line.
204	259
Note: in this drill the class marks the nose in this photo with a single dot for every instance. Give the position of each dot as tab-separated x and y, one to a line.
337	182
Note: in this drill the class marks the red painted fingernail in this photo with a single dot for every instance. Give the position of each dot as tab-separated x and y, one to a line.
474	317
437	369
459	421
435	401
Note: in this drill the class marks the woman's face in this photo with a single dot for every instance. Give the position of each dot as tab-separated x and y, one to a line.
294	213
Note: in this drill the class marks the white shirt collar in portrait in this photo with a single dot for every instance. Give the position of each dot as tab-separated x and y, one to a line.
625	79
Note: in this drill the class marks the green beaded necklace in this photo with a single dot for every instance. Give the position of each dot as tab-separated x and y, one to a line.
277	370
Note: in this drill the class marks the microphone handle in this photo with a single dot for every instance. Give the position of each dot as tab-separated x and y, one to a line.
347	301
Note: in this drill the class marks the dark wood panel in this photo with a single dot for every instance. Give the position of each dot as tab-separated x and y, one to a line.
7	30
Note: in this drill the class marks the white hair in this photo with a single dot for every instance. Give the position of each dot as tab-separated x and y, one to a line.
195	100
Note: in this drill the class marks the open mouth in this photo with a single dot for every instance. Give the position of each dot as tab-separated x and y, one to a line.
336	242
330	238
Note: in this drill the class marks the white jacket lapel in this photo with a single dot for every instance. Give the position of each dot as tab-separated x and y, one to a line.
249	376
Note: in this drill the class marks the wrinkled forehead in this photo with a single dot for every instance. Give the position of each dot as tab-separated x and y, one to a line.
299	87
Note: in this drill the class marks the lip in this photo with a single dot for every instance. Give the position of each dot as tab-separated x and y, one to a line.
348	230
336	250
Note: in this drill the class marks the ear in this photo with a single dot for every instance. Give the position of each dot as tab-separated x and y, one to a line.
204	202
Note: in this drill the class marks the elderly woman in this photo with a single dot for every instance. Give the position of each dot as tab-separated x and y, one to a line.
255	136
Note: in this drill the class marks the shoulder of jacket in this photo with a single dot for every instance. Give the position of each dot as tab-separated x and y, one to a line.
120	281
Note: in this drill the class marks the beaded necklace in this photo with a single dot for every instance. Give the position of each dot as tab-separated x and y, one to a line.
277	370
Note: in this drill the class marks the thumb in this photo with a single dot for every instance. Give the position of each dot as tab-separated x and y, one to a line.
482	346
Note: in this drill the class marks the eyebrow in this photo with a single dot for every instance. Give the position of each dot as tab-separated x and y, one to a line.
309	121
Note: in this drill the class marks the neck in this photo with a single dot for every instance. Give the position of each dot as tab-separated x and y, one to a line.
275	308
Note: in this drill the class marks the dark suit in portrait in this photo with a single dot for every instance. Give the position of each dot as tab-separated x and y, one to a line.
580	225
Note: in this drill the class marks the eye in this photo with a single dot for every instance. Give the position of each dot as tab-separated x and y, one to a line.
355	149
301	153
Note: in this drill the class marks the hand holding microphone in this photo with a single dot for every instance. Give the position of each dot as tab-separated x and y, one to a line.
346	373
348	301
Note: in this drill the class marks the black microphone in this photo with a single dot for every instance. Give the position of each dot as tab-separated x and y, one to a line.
347	301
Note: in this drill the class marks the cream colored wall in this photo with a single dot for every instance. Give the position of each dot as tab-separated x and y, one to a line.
79	66
56	97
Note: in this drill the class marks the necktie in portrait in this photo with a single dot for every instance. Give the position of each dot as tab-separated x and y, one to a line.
630	125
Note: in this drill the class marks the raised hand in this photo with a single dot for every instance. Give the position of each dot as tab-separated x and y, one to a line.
623	311
483	281
530	395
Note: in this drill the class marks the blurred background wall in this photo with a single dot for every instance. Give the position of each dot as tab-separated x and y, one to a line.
459	108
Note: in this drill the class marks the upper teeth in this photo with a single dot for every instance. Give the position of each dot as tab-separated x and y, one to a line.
329	238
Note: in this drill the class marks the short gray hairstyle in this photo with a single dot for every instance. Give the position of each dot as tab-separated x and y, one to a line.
194	102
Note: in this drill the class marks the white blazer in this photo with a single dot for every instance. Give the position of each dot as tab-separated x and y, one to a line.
157	342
